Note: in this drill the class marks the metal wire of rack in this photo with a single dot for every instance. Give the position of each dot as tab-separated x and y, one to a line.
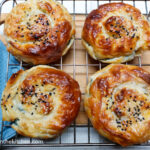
61	65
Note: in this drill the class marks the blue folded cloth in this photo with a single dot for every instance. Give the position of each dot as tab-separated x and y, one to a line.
8	132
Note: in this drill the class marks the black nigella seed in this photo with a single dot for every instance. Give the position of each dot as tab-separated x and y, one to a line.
50	93
45	96
117	32
32	103
47	23
32	113
11	106
39	99
133	36
8	96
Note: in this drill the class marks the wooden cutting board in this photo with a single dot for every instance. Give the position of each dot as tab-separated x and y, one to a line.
76	64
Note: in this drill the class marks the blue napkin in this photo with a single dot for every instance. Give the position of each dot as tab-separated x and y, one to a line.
8	132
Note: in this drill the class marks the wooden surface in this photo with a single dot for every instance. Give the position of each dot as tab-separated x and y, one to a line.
74	63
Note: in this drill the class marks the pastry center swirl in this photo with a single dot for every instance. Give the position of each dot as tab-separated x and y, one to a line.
37	98
127	106
119	27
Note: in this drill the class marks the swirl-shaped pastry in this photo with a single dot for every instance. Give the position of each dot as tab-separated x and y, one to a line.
118	103
39	31
115	33
40	101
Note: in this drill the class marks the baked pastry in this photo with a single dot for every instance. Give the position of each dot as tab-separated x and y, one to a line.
41	101
39	31
115	33
117	102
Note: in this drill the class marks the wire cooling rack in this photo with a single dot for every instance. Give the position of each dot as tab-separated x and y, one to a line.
78	134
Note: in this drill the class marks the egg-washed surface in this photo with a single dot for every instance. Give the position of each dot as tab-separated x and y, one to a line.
117	102
41	101
39	31
115	33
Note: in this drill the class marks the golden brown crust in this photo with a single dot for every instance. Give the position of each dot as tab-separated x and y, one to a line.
118	103
39	32
41	101
115	30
